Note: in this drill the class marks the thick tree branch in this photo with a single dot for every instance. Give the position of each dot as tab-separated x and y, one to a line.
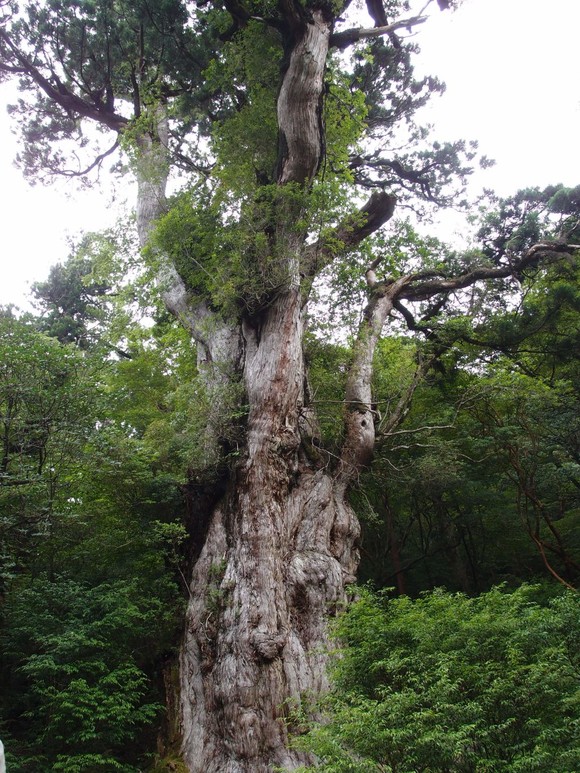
344	39
240	17
410	320
359	443
377	12
431	312
61	95
542	252
300	131
351	232
293	14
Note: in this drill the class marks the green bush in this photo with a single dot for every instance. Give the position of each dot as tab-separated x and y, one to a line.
452	683
77	682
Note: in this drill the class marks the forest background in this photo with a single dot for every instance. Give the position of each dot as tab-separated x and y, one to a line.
474	482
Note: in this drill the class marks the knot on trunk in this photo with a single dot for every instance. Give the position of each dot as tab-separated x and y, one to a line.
344	539
359	448
287	440
268	646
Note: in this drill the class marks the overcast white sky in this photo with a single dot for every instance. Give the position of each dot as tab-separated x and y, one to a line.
512	69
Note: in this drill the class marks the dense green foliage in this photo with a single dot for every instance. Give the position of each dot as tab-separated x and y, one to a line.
46	400
105	459
451	683
479	483
476	481
91	529
76	655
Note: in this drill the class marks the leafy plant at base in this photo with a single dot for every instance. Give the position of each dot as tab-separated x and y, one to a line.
452	683
90	536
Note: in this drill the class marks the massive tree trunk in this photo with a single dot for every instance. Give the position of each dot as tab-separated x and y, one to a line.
278	554
277	549
275	555
280	548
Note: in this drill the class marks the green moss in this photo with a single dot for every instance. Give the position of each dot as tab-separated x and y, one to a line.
170	764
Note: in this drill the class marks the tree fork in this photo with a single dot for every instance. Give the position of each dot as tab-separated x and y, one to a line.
280	547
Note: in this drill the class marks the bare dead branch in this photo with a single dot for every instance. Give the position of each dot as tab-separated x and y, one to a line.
370	274
97	162
540	545
387	426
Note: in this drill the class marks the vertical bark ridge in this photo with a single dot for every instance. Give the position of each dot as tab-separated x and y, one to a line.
243	575
299	118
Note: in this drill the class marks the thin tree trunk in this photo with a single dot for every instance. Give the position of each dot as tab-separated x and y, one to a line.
394	542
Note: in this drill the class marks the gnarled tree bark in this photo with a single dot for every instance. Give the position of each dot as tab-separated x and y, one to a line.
281	543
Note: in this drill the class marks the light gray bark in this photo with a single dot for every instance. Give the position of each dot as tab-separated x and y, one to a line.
360	417
276	561
152	171
299	103
218	341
